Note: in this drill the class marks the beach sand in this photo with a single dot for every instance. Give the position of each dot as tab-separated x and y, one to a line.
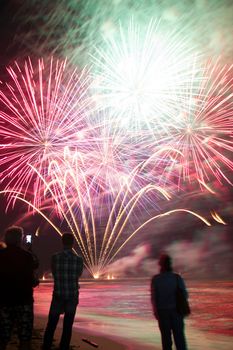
77	343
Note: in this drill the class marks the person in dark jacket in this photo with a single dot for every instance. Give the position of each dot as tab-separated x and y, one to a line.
66	267
163	299
16	292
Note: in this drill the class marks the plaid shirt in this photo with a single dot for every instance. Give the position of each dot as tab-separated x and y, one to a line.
67	267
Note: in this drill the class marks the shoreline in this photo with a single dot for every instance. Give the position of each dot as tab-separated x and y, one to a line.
102	341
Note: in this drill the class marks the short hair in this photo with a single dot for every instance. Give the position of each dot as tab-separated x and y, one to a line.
13	235
68	239
165	262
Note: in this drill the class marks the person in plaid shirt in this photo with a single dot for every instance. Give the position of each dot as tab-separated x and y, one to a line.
67	267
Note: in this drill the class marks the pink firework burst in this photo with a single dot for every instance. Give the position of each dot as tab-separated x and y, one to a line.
42	111
203	129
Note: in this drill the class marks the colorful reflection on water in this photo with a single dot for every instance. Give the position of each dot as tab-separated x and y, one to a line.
121	308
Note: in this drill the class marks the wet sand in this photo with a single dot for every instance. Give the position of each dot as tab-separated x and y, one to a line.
77	342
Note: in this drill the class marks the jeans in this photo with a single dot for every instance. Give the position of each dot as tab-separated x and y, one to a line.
58	307
170	322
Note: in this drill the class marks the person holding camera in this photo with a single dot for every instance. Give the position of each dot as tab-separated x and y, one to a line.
16	293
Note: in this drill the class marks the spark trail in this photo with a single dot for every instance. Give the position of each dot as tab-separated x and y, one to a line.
70	193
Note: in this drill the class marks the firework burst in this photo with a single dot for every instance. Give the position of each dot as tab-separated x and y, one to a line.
139	76
203	128
42	111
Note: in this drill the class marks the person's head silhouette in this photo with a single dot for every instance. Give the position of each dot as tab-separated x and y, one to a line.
67	240
14	235
165	262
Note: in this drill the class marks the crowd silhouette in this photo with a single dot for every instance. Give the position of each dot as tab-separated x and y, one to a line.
18	277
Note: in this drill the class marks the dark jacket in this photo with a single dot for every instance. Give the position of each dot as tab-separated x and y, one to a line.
16	276
163	290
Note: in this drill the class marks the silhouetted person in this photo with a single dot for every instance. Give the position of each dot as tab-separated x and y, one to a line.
16	292
163	298
66	267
